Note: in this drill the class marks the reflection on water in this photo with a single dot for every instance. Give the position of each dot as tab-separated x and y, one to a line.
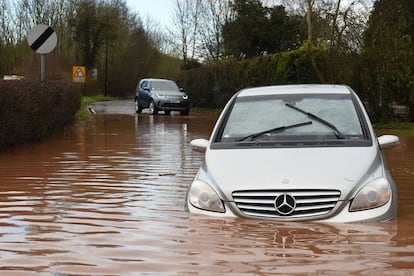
107	198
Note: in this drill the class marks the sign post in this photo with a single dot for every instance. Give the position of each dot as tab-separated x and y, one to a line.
42	67
42	39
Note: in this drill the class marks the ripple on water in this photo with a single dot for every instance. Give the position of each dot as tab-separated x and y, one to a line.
107	198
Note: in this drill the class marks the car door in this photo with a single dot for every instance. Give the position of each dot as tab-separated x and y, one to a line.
144	94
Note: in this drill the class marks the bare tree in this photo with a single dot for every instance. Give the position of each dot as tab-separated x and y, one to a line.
215	13
310	41
186	17
336	23
38	12
6	36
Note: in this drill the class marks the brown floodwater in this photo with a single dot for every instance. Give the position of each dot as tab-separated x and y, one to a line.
107	198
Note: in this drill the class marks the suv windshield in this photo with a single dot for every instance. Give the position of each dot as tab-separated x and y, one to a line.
293	118
163	86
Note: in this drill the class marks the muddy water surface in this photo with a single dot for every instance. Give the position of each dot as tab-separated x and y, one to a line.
107	198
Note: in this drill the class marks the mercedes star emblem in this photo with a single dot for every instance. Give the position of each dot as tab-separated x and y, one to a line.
285	204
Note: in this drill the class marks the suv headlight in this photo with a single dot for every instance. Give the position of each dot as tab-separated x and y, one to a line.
202	196
160	95
375	194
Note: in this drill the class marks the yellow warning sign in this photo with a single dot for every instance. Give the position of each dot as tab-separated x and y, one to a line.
78	73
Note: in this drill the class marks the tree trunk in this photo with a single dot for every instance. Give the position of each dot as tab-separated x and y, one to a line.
310	42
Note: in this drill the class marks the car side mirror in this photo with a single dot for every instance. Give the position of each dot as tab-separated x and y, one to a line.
181	89
388	141
146	88
199	145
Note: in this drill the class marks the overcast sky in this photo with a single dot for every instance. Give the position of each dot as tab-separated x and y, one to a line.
158	10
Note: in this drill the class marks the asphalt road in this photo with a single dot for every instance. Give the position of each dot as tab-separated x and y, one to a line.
113	107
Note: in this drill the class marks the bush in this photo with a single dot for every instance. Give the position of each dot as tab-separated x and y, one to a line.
212	85
32	110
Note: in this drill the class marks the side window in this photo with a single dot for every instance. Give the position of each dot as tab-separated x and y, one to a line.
143	84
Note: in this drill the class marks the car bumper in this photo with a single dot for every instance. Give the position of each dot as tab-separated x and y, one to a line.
340	214
173	105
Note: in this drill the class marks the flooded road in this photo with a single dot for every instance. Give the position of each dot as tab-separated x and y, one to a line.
107	198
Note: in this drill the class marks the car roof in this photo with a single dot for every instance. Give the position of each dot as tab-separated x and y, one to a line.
159	80
295	89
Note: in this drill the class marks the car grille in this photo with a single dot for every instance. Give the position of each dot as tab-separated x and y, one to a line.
299	203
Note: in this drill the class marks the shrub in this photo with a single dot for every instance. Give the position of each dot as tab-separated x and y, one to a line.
32	110
212	85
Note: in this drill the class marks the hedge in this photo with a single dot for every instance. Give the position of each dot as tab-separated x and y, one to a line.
32	110
212	85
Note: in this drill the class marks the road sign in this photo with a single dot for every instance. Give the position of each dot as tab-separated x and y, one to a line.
78	73
42	39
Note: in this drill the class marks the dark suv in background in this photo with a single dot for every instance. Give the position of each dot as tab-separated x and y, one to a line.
161	95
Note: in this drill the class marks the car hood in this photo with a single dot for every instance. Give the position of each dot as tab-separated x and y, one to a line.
170	93
339	168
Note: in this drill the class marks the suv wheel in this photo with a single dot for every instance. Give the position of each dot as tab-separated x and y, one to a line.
153	108
138	108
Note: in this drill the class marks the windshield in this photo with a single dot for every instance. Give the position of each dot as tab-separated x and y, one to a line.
163	86
292	118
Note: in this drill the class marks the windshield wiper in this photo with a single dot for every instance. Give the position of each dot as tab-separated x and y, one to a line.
273	130
337	133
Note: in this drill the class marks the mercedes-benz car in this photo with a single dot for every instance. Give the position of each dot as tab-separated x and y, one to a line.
160	95
295	152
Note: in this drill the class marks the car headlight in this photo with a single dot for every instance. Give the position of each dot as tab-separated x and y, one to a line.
202	196
160	95
185	97
375	194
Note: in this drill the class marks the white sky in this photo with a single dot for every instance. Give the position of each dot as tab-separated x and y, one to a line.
158	10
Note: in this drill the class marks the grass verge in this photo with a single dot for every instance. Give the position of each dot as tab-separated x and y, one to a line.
83	113
409	126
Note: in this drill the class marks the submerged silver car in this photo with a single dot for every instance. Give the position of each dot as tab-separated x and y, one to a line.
295	152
